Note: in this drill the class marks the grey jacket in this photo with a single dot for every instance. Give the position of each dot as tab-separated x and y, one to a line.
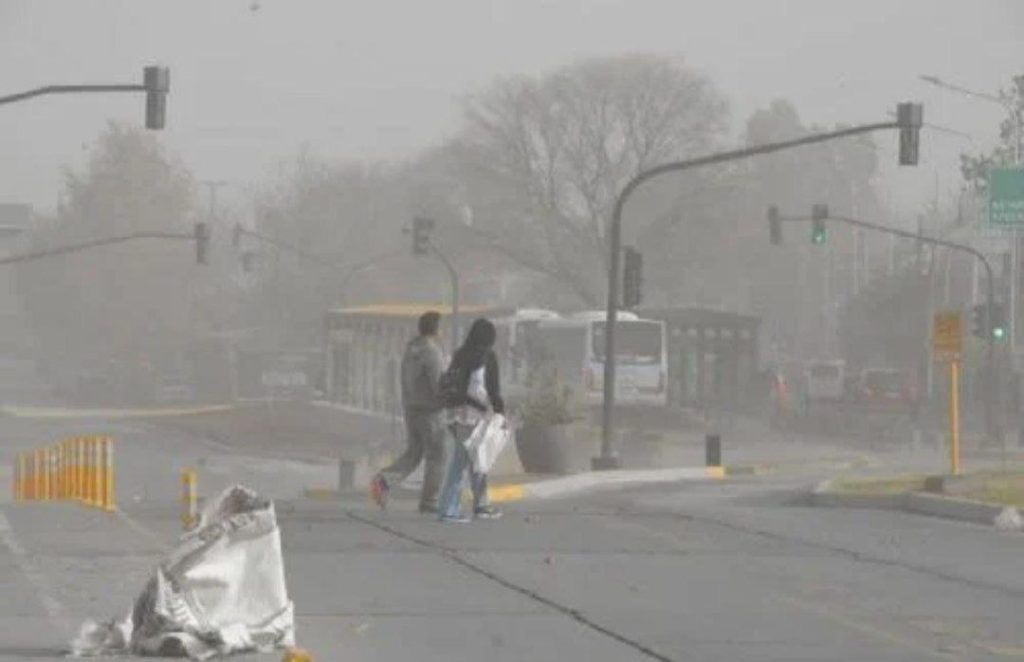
422	365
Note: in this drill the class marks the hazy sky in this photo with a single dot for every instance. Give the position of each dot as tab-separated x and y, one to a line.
383	78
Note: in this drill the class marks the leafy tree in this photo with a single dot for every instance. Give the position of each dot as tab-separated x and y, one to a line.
128	303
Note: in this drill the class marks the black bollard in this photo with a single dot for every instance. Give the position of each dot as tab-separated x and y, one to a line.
713	450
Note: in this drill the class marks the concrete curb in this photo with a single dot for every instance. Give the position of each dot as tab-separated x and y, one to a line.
564	486
599	480
919	503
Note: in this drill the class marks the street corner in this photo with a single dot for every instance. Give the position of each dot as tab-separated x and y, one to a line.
923	495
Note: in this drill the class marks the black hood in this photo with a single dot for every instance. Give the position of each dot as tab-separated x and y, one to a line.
478	344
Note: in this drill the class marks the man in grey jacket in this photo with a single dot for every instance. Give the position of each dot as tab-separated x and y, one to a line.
422	365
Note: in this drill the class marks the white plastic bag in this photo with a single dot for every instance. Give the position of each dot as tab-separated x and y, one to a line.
489	438
220	591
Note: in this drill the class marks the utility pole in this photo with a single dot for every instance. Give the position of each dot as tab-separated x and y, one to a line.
212	186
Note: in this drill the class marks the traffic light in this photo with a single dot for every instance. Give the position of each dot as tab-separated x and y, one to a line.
421	229
909	118
998	322
774	225
157	81
983	327
979	321
632	278
247	259
819	234
202	235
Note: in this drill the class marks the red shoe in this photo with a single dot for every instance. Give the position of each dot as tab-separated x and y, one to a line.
379	492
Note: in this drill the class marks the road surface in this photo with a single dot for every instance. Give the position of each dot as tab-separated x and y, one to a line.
731	571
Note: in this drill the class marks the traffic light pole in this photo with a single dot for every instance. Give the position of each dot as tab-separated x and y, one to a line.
992	424
347	271
909	119
70	89
155	83
78	248
453	275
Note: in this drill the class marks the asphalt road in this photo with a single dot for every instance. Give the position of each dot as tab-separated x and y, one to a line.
736	570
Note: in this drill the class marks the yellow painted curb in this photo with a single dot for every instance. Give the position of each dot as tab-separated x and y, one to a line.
716	472
58	413
507	493
297	655
322	494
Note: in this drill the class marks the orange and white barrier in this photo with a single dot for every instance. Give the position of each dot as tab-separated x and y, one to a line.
77	469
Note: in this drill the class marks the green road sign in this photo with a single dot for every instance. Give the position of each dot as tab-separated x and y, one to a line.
1006	198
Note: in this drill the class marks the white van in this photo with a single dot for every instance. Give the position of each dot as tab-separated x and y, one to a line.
825	380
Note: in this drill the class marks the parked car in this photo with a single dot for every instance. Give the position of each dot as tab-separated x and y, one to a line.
886	388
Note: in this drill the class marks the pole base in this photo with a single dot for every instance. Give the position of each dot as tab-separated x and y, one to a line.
605	463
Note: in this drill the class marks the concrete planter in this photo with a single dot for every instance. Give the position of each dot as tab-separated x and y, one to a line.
545	449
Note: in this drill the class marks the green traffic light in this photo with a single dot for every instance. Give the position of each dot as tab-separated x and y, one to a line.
818	237
999	333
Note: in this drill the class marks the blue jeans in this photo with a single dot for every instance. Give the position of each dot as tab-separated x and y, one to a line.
450	503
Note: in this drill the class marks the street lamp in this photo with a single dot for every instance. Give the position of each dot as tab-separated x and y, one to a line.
1003	103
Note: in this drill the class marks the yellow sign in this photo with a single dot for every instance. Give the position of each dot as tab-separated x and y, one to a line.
947	336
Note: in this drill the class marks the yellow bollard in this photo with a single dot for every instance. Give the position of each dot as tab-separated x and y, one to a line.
189	500
66	471
37	466
54	473
62	483
69	468
30	476
97	444
108	497
94	471
87	460
44	465
82	468
297	655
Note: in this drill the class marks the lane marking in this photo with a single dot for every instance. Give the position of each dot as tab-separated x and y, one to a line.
36	579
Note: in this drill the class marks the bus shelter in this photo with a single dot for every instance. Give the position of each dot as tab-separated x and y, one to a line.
712	356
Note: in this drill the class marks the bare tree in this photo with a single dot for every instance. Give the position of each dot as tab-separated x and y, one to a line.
541	160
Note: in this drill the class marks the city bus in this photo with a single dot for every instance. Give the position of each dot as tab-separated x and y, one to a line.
574	346
511	346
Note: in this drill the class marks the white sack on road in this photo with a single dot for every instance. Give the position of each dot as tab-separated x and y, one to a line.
220	591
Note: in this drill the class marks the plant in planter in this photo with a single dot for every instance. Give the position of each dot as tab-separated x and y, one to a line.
550	407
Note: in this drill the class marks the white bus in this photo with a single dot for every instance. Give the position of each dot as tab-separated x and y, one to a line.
575	346
511	346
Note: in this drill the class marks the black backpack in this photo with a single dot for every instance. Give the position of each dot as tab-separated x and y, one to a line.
450	388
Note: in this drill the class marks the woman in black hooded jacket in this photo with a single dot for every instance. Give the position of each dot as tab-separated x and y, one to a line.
479	389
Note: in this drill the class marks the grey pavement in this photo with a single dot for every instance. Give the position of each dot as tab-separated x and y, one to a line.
731	570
